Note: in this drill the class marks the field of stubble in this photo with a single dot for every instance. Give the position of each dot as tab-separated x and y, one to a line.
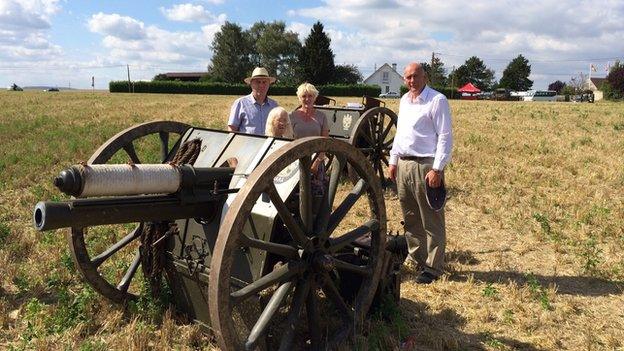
535	231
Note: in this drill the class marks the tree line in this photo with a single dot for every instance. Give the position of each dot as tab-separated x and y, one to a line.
271	45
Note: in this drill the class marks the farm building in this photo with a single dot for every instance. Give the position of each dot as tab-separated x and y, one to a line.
594	85
387	78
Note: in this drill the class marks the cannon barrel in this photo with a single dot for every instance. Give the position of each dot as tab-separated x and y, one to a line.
199	193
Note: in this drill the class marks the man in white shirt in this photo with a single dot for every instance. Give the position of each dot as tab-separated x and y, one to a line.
249	114
421	149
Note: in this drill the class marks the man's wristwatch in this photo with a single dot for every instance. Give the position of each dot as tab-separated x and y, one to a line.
436	170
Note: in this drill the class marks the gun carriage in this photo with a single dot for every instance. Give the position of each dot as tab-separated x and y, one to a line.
247	244
369	126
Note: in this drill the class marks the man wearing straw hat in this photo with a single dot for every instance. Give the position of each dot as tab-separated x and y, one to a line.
249	113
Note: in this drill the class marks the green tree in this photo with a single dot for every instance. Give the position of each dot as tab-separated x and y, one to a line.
475	72
275	49
160	77
516	75
232	49
556	86
316	59
615	78
347	74
437	75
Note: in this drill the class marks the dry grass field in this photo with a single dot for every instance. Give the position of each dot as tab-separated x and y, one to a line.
535	218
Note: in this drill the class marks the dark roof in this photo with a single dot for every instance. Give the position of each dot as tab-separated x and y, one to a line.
598	81
185	74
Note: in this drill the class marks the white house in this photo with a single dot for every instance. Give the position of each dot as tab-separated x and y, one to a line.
594	84
387	78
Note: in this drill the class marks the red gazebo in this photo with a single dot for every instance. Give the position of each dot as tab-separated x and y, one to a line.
469	91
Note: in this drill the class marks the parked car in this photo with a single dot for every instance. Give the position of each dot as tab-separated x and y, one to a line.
390	95
52	89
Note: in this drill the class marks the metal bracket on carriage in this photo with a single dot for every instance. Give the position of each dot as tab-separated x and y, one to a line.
395	243
195	255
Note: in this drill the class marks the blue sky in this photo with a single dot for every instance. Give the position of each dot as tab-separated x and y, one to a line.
61	43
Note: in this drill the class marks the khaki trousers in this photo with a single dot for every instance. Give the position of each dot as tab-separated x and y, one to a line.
424	228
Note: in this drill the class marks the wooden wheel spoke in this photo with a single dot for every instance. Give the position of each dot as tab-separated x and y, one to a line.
164	145
379	169
314	317
124	284
330	290
334	179
291	224
267	315
322	217
278	275
286	251
301	293
361	270
337	243
367	134
99	259
305	194
380	127
346	205
372	127
388	144
384	159
129	148
387	131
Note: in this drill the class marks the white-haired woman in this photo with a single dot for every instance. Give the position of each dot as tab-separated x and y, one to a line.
278	124
307	121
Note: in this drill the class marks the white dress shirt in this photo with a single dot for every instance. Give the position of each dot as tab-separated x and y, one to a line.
424	128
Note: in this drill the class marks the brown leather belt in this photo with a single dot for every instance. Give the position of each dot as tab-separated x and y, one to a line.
415	158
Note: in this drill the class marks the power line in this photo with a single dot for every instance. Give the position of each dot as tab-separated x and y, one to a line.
540	60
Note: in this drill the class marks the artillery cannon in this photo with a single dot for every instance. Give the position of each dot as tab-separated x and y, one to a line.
243	238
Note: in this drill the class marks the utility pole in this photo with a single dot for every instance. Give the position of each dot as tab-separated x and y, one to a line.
453	84
431	68
129	83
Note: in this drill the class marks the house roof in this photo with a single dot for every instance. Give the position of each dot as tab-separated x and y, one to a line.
598	81
385	65
185	74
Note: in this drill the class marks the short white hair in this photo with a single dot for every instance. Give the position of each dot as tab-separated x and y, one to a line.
307	88
275	114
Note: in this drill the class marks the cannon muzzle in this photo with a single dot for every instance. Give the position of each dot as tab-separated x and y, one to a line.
183	192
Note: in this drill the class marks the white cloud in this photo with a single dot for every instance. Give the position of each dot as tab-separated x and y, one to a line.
27	14
155	49
191	13
23	30
122	27
369	32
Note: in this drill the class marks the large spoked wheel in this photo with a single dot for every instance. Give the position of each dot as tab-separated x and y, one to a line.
374	135
108	256
269	311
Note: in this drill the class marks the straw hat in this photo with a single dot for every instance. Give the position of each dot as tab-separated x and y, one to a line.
259	72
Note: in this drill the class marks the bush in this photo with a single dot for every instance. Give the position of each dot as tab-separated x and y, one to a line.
174	87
